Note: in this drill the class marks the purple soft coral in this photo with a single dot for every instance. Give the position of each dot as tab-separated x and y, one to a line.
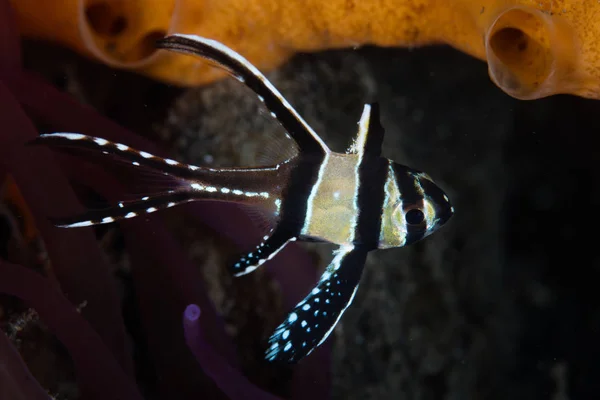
103	362
214	365
16	381
101	377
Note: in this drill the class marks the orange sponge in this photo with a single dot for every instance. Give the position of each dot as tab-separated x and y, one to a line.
534	48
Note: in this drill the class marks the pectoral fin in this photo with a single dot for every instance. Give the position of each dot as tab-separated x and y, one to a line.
313	319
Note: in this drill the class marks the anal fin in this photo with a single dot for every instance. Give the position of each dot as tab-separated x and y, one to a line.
309	324
265	251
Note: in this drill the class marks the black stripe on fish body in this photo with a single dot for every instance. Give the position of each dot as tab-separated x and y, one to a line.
435	195
296	197
312	320
309	324
411	197
243	70
292	214
373	175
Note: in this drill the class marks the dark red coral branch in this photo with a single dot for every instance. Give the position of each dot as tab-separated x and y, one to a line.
295	272
165	283
165	280
214	365
293	268
16	382
10	47
64	113
99	374
76	259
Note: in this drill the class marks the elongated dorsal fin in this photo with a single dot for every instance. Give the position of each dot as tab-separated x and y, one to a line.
244	71
369	139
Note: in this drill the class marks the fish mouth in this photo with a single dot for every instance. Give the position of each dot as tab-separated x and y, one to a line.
444	214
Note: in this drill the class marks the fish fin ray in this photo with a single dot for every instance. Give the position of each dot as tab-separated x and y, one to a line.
309	324
243	70
266	250
122	151
124	210
369	139
262	220
277	150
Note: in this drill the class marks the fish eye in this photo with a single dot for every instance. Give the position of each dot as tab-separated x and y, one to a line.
415	216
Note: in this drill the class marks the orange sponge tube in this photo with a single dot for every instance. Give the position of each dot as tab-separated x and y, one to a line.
534	48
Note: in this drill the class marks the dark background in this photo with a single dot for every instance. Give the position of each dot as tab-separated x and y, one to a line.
502	303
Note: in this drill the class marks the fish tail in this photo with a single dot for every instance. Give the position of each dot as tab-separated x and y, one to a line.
124	210
135	157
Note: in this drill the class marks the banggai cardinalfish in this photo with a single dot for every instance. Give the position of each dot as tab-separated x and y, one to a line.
359	201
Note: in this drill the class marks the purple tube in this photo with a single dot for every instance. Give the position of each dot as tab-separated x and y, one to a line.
98	373
16	382
77	261
235	385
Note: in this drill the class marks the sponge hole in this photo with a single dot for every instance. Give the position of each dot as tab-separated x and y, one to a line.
519	52
104	21
524	57
510	45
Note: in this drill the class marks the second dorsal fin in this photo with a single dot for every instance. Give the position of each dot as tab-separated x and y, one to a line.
369	139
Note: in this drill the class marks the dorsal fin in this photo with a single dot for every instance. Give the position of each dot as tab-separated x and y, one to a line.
369	139
244	71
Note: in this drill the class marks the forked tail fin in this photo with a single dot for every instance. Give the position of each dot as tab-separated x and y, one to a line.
124	210
122	151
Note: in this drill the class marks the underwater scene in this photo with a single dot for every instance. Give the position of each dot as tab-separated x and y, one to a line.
299	199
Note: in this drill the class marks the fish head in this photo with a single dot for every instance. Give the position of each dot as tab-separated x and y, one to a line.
414	207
